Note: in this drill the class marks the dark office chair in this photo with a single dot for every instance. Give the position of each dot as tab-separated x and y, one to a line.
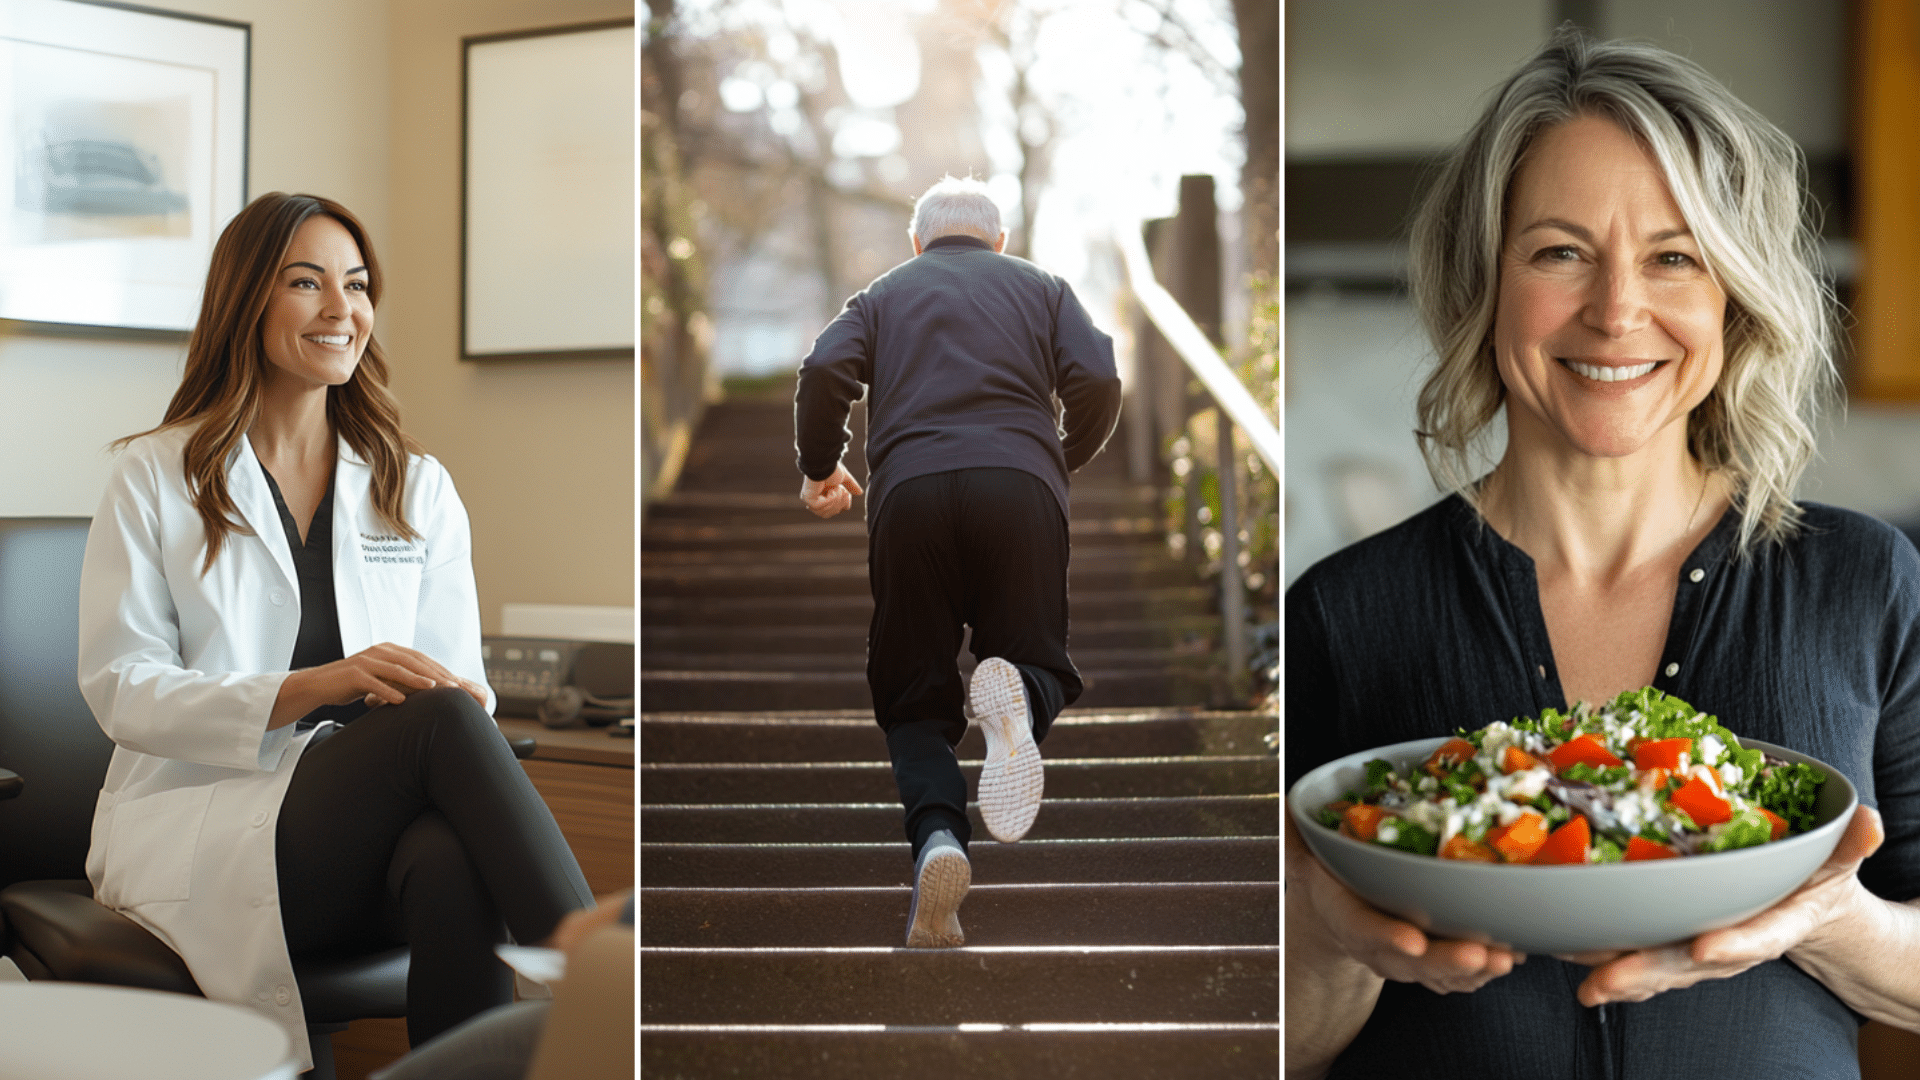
49	923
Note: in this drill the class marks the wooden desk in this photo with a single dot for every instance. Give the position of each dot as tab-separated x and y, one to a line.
586	777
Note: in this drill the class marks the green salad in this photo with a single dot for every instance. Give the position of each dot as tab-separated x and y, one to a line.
1645	776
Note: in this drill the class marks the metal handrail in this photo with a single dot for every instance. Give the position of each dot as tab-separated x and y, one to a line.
1195	350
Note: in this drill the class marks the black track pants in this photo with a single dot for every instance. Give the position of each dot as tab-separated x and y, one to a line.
415	824
979	548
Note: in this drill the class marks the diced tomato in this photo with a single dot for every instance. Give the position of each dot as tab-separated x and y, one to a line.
1462	848
1449	756
1701	803
1779	823
1585	748
1567	844
1518	842
1517	760
1363	821
1640	848
1662	754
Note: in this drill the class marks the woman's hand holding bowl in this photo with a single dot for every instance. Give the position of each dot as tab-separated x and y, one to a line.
1336	923
1803	918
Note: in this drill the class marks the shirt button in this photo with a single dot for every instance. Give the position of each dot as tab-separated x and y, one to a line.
278	597
259	819
1672	670
1697	576
282	995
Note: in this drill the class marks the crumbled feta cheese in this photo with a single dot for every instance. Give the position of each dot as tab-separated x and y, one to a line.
1526	784
1731	774
1388	831
1711	748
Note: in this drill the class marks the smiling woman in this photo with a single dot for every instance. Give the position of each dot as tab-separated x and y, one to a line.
1615	258
279	632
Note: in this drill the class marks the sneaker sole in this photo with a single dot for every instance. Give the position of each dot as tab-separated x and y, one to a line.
1013	777
934	922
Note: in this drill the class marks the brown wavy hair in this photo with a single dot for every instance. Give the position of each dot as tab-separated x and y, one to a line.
226	366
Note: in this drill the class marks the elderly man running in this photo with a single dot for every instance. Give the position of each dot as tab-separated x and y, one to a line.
986	385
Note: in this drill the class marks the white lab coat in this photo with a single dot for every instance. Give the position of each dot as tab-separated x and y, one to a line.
181	671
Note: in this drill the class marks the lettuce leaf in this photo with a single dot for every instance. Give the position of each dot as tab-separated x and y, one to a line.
1749	828
1790	791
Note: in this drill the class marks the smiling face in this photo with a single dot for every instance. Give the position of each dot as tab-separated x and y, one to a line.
1608	329
319	315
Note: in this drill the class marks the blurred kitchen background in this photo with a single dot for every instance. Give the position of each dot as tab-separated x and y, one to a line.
1376	89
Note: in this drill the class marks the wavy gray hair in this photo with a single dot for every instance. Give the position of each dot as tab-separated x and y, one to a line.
955	206
1738	181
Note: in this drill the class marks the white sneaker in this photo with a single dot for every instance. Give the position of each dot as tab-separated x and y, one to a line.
1012	778
939	884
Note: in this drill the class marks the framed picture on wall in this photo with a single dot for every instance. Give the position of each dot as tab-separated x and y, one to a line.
547	194
123	133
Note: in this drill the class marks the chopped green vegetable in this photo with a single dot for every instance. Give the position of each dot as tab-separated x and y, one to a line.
1749	828
1328	817
1408	836
1605	850
1591	774
1379	776
1790	791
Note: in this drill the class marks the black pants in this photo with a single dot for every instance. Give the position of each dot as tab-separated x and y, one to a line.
416	825
979	548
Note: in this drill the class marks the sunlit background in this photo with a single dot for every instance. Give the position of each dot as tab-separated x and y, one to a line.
806	127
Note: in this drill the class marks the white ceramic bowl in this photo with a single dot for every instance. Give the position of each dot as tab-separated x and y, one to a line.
1566	909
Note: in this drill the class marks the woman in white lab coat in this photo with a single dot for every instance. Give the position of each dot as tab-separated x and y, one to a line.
280	634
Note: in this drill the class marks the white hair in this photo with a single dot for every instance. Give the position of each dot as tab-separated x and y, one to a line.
955	206
1737	180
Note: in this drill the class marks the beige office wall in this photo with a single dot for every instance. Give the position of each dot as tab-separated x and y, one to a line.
317	122
542	452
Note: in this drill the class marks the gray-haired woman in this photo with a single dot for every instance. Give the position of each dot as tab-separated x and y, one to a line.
1616	257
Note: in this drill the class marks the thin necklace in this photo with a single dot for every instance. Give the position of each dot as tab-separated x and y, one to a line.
1697	503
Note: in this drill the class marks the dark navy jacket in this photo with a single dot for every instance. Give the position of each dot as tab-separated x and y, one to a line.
1814	645
965	352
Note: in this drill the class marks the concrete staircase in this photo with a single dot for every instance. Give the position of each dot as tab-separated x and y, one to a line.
1133	933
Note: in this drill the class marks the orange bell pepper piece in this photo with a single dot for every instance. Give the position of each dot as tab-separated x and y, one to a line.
1449	756
1462	848
1585	748
1639	849
1363	821
1779	823
1567	844
1661	753
1700	802
1517	760
1520	841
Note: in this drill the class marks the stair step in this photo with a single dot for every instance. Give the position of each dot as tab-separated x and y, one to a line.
690	690
1194	633
1060	819
833	533
880	1052
785	866
830	579
1161	913
1157	657
872	781
1073	984
857	609
715	737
